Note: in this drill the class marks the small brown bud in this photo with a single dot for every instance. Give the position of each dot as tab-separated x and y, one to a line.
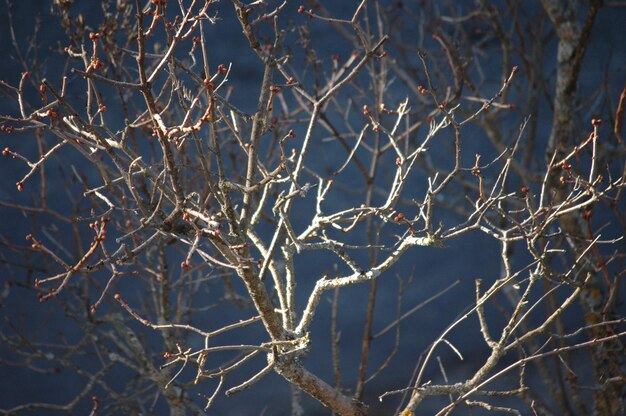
97	64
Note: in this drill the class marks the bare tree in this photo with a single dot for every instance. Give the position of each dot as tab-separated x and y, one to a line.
174	219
